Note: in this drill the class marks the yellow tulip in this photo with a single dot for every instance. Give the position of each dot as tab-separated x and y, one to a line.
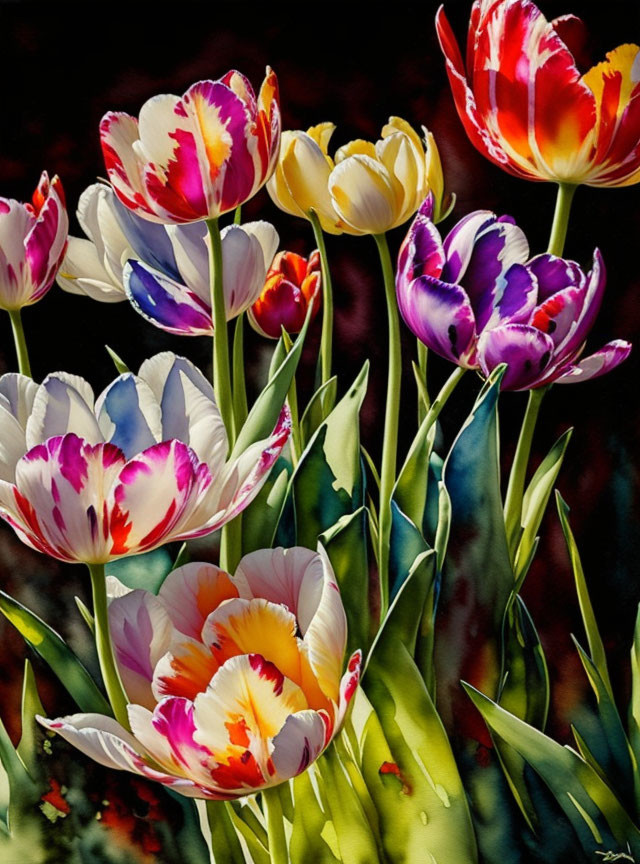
367	188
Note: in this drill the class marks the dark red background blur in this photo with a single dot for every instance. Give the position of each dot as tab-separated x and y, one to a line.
62	66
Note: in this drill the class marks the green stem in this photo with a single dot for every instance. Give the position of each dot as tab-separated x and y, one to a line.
295	442
20	342
515	489
566	191
326	342
390	440
240	407
221	370
237	216
423	353
275	826
108	667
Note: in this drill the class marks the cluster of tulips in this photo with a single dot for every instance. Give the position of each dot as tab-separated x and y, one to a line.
238	685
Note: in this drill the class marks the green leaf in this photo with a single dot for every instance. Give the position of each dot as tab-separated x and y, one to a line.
406	543
320	406
54	651
24	792
444	524
634	707
595	813
596	647
182	557
606	740
313	835
354	834
525	693
410	491
477	579
247	826
408	765
87	616
347	545
147	571
536	497
260	519
224	840
120	365
264	414
328	483
28	748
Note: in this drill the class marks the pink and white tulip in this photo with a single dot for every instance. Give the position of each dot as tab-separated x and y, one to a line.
93	480
195	156
33	237
235	682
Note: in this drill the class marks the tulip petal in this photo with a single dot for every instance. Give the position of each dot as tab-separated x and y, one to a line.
129	415
190	593
141	633
118	135
185	670
422	251
299	743
245	706
441	316
149	241
19	391
526	351
364	195
63	403
189	410
306	172
165	303
191	248
101	738
82	272
597	364
554	274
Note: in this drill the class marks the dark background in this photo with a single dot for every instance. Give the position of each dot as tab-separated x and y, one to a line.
62	66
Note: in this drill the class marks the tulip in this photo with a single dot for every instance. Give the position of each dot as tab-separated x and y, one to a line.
291	283
234	683
144	464
525	106
33	237
368	189
196	156
477	300
163	270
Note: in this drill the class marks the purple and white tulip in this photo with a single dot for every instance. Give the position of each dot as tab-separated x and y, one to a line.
163	270
93	480
478	300
33	237
235	683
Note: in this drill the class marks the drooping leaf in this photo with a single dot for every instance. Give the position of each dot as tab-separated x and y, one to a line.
536	497
54	651
347	544
594	811
260	519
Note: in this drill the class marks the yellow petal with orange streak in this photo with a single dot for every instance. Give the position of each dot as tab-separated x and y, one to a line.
623	59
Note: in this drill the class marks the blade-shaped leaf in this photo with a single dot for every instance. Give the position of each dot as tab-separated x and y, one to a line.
347	545
328	482
606	740
592	808
410	491
54	651
320	406
313	834
28	748
596	648
536	497
477	578
260	519
118	362
406	543
265	412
